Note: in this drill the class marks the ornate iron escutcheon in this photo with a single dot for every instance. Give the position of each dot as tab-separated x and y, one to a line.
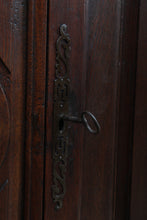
61	93
61	116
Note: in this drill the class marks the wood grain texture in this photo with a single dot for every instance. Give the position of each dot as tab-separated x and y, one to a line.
104	38
107	57
139	177
112	51
35	111
127	64
12	81
101	98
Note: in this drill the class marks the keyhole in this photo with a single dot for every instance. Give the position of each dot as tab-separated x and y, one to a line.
61	125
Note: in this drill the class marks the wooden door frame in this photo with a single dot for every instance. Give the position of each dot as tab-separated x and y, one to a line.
35	108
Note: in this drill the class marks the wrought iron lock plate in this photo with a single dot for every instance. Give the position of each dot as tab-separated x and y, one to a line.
61	116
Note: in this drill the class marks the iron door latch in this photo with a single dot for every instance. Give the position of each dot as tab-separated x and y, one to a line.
61	116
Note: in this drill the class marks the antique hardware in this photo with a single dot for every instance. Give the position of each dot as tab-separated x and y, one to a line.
61	115
83	119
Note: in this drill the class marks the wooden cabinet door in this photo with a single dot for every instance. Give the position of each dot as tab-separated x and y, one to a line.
102	70
12	100
101	51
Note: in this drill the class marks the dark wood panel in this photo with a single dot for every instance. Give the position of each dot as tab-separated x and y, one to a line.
101	98
35	111
139	178
111	73
125	110
12	93
107	84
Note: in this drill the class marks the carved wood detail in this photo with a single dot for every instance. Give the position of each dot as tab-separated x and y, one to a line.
3	68
4	115
5	125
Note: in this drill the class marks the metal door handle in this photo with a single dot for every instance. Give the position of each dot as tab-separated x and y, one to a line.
61	115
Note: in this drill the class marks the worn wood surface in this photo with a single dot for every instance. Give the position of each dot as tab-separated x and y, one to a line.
103	48
139	177
35	109
12	97
127	64
102	31
104	40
